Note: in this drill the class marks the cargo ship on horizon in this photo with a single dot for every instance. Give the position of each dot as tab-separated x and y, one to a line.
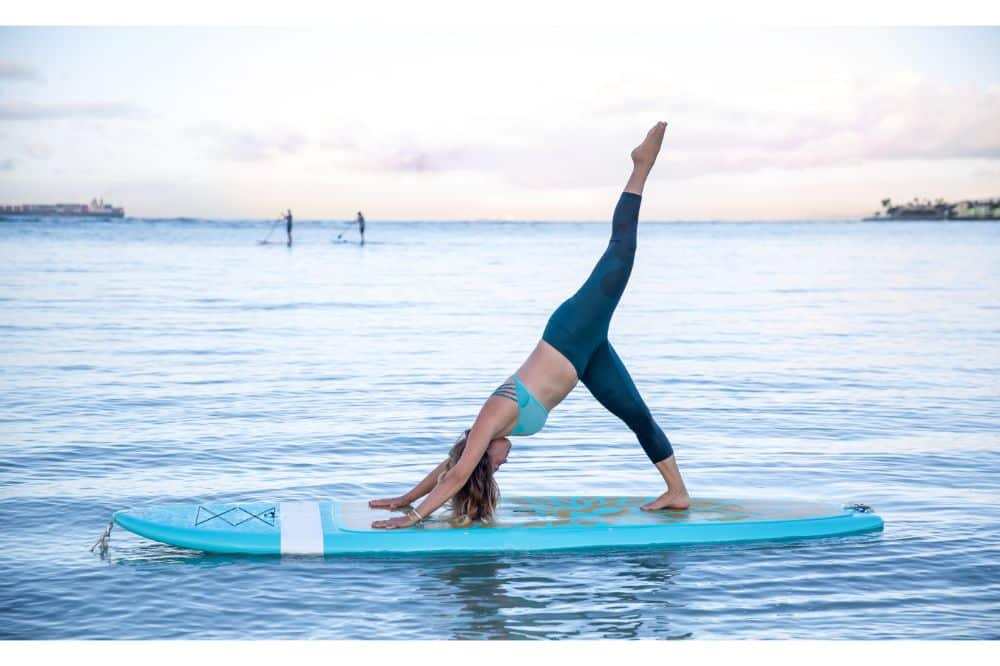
96	208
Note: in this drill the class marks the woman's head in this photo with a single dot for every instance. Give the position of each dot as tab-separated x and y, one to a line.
478	498
497	452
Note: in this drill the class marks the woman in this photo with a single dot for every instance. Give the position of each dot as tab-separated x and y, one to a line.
574	347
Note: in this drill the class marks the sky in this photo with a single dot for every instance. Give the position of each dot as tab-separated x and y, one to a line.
532	123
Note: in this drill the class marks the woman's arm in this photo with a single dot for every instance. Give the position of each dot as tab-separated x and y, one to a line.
418	491
496	414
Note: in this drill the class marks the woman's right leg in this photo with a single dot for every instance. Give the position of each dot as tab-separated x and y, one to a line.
581	323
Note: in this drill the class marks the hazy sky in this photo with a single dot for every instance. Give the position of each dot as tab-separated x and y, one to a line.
534	123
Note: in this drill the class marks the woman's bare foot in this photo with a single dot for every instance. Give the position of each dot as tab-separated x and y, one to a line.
677	500
676	496
643	158
645	153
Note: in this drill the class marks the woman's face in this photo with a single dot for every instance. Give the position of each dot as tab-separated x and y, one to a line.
497	452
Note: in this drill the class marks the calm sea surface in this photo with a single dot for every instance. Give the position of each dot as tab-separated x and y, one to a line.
176	361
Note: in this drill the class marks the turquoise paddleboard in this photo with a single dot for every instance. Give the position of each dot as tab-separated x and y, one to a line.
523	524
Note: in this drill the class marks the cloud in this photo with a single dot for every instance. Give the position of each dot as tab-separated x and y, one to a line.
7	165
847	122
821	123
339	144
29	111
983	172
829	123
362	149
248	145
10	71
418	160
37	150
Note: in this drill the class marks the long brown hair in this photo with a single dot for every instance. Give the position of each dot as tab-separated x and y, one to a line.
478	498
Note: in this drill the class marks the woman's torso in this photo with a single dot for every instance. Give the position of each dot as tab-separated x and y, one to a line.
548	377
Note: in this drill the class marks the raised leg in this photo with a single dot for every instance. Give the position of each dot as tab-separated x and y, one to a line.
581	322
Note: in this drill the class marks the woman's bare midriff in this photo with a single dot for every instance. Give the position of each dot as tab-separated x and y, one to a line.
548	375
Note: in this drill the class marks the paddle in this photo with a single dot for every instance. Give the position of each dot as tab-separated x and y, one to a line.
349	225
268	236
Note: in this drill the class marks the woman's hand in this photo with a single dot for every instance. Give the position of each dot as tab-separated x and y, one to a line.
389	503
395	523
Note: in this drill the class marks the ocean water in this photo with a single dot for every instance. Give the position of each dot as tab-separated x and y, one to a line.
170	361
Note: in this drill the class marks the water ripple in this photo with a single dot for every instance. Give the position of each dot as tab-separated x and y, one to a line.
177	361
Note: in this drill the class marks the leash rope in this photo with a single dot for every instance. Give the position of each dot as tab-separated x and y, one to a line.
103	541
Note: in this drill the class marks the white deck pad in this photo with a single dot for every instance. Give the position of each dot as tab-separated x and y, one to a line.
301	528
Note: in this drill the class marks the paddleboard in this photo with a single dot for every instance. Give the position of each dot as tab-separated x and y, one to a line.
522	524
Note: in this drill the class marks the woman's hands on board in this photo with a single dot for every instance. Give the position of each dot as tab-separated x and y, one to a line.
396	523
389	503
392	503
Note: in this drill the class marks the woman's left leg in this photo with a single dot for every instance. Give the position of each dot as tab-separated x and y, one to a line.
609	381
604	373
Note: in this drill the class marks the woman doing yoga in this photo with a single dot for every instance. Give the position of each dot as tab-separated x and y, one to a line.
574	347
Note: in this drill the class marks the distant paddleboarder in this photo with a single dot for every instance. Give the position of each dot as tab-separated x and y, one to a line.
274	225
574	348
360	221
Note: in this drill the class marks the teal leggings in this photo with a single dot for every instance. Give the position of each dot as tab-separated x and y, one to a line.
579	330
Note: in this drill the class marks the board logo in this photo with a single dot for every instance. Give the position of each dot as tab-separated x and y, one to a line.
234	515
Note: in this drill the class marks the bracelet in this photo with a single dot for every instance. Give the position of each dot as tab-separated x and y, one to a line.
419	517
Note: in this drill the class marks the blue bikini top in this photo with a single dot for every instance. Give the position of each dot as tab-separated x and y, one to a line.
531	414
